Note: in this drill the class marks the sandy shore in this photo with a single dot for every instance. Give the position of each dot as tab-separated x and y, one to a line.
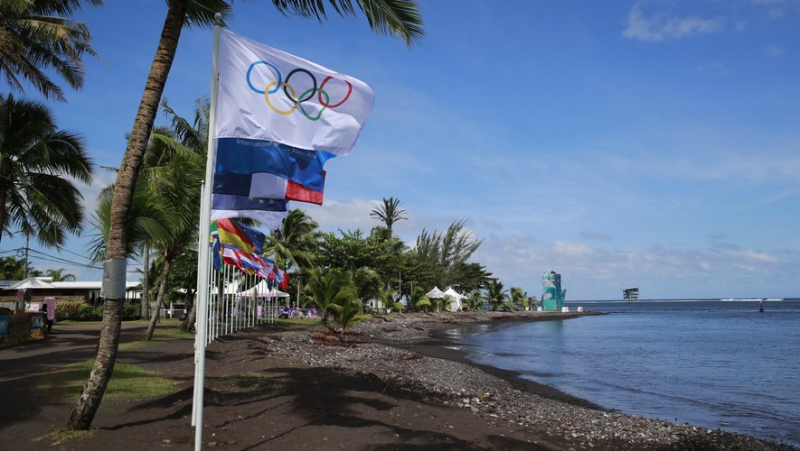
393	385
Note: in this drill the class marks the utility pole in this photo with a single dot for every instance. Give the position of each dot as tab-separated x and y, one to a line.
27	245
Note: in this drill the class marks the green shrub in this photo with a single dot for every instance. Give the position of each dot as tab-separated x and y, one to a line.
131	312
89	313
68	310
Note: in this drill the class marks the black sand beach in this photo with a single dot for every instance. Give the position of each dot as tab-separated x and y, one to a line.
392	385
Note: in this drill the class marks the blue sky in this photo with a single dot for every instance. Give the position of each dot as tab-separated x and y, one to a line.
621	143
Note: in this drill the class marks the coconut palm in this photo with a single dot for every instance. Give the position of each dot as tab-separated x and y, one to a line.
389	212
348	313
366	283
418	300
325	289
474	300
387	297
36	160
397	17
59	276
179	185
34	40
518	298
294	242
496	294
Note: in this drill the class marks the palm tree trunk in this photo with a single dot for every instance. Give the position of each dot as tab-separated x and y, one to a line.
162	288
3	195
188	323
84	411
87	405
145	280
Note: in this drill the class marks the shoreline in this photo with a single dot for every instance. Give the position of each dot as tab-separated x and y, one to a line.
440	346
587	425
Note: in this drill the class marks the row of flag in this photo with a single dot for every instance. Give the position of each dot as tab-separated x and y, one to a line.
238	245
279	119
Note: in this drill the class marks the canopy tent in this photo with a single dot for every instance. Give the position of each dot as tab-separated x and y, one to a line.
32	283
436	293
455	303
262	291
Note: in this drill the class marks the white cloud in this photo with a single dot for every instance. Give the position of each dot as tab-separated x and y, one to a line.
773	51
665	27
597	272
346	216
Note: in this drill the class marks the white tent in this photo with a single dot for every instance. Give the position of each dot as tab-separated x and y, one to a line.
263	291
436	293
32	283
455	303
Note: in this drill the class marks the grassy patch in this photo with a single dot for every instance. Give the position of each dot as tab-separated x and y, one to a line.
161	334
61	435
128	382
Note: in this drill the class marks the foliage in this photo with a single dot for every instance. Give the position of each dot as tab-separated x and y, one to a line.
348	313
351	250
389	299
35	40
473	301
447	253
59	276
79	310
294	243
519	299
66	310
326	289
13	269
418	300
496	294
389	212
37	163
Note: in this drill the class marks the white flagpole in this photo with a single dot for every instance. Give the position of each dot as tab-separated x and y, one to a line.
203	248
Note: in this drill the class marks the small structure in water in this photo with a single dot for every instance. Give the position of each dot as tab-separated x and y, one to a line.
761	306
552	294
630	294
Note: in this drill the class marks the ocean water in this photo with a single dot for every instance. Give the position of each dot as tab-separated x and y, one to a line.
710	363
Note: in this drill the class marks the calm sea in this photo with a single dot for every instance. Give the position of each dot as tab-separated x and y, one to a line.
710	363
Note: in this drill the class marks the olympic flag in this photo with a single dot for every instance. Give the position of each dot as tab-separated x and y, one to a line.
275	120
270	95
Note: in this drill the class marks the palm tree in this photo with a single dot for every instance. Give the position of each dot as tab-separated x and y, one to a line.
325	289
179	185
33	37
35	160
398	18
366	283
387	297
59	276
474	300
518	298
348	313
418	300
294	244
389	212
495	293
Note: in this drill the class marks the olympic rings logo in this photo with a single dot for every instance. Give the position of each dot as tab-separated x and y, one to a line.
290	93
